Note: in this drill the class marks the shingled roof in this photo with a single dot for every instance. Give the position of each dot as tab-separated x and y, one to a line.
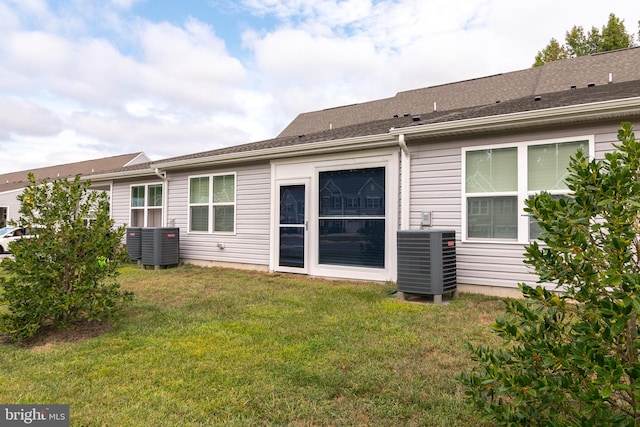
564	98
537	89
598	69
16	180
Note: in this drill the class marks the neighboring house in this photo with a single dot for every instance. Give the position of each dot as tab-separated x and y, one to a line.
327	196
12	184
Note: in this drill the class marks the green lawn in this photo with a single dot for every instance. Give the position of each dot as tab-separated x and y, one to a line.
203	347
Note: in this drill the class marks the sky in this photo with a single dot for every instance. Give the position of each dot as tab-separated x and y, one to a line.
85	79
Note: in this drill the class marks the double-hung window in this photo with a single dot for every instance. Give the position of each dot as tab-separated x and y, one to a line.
212	203
498	179
146	205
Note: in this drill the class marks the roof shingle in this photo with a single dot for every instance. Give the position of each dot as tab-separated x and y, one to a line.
557	76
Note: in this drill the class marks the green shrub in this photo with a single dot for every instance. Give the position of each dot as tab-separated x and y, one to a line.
570	357
66	272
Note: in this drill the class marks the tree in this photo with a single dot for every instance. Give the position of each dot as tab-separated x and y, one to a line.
66	272
577	43
553	52
570	357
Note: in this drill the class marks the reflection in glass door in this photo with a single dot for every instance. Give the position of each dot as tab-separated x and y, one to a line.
292	226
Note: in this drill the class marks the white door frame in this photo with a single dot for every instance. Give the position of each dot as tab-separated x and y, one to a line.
305	225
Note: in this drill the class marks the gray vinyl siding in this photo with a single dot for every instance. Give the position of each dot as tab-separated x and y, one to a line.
9	200
436	185
250	242
120	203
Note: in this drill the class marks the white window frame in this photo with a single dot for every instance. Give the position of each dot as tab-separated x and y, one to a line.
211	204
522	193
146	207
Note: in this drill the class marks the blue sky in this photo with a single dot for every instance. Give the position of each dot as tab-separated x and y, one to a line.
82	79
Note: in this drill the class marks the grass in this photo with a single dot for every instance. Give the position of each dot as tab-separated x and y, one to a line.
202	347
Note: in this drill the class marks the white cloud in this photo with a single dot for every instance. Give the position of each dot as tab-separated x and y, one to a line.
88	78
19	116
189	66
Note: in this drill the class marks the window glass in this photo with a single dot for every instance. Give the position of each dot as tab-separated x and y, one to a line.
547	164
492	217
199	218
137	217
223	189
137	196
352	242
291	247
155	195
355	192
199	190
491	171
223	218
352	217
154	218
292	204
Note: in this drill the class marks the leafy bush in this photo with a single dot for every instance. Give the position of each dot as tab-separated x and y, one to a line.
570	357
67	271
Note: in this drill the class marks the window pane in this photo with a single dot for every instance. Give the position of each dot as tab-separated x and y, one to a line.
199	218
223	218
292	247
492	217
137	217
352	242
137	196
355	192
489	171
548	164
292	204
223	189
154	218
199	190
155	195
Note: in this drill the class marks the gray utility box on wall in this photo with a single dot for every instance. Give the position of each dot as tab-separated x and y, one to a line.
160	246
134	243
427	262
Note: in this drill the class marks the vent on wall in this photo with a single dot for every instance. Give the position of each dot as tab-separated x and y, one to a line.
427	263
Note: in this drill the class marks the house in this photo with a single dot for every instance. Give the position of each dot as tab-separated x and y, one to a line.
12	184
327	196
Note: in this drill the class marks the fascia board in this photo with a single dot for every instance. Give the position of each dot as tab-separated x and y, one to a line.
556	115
15	190
140	173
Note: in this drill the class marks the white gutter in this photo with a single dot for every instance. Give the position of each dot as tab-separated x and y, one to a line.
165	195
405	192
547	116
138	173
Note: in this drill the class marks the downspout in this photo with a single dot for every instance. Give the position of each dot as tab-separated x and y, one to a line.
405	184
165	195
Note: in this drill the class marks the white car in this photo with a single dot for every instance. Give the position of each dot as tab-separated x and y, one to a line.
11	234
